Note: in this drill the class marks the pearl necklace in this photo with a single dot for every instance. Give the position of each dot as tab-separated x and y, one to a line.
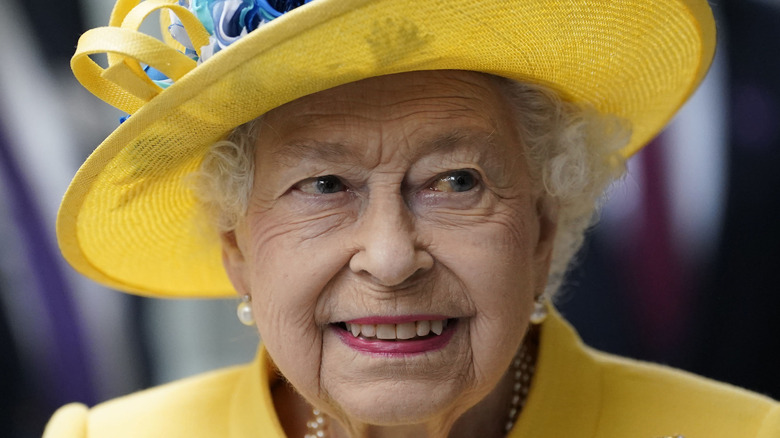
522	366
317	426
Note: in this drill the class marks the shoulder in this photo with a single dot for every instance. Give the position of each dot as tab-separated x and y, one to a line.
656	394
198	406
578	391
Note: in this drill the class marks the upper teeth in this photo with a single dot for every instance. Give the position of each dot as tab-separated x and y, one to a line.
406	330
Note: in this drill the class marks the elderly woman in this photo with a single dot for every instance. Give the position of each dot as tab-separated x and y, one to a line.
395	190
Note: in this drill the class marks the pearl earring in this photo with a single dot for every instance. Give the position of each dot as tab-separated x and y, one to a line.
540	310
244	311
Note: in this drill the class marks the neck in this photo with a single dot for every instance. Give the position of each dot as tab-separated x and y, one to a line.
485	420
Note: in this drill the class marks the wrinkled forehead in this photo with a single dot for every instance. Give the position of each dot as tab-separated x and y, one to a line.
418	111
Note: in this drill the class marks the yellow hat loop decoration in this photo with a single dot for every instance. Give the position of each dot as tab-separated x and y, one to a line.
124	83
195	30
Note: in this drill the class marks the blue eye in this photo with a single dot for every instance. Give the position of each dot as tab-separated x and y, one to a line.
457	181
321	185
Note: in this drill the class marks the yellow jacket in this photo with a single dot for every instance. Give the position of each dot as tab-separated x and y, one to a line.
576	393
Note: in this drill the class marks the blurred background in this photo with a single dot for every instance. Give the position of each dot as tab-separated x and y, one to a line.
683	269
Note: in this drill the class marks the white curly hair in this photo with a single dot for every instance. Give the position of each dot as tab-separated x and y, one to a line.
571	150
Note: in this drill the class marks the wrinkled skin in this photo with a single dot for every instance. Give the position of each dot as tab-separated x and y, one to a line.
355	212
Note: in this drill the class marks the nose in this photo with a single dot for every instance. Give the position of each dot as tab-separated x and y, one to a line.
387	240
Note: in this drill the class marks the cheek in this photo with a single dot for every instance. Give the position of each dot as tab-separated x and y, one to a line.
288	271
494	262
497	250
290	249
289	274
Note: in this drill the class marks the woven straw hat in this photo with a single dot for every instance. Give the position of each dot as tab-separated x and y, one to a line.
129	219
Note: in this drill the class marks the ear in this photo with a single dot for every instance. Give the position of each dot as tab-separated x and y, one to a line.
234	262
547	215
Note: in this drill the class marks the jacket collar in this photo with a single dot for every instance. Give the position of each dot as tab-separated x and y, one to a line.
252	413
565	396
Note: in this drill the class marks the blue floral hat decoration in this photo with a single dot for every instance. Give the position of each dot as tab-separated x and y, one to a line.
226	21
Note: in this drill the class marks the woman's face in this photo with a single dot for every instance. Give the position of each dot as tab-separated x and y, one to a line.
393	205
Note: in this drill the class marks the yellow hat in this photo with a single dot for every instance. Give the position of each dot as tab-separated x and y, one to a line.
129	219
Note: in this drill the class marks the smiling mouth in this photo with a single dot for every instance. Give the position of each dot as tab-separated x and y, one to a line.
407	331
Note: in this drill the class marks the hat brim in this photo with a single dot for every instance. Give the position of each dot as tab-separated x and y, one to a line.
129	219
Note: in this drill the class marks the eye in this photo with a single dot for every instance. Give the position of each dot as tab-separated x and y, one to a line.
456	181
321	185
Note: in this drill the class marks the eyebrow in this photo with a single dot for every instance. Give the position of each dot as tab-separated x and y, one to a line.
454	140
459	139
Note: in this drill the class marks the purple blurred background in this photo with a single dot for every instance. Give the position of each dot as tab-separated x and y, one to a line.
683	268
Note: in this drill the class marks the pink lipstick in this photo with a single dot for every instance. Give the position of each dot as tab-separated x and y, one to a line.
407	335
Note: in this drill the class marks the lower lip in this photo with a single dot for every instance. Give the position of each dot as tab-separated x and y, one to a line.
398	347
